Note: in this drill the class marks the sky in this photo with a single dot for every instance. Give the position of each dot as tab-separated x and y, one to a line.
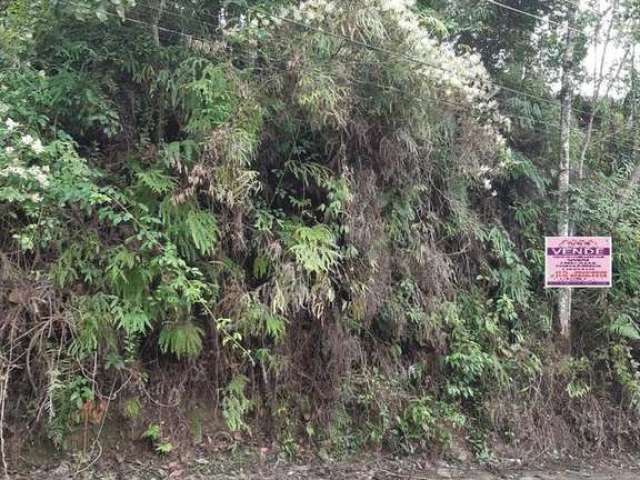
612	57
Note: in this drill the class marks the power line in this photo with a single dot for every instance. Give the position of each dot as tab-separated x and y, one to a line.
410	58
413	59
365	45
370	47
192	37
401	55
533	15
178	16
433	101
396	54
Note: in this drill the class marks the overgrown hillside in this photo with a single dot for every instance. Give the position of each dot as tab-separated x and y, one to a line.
321	224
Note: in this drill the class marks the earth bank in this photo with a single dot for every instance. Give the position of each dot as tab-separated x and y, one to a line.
371	468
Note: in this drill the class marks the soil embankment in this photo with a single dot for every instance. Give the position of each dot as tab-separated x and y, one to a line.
369	469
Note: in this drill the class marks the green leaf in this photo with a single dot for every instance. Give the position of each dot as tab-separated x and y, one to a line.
152	432
164	448
625	327
181	339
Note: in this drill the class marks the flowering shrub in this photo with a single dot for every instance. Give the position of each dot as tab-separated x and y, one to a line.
38	177
381	32
22	181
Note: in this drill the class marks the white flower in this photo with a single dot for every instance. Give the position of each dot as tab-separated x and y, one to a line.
494	194
37	147
27	140
10	124
37	174
42	179
487	184
9	150
397	5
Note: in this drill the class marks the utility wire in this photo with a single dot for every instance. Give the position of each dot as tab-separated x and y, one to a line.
495	2
178	16
397	54
402	55
430	100
405	56
308	27
533	15
192	37
364	45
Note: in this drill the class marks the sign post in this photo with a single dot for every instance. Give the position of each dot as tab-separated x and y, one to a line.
577	262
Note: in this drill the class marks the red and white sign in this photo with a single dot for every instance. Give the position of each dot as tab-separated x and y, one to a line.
582	262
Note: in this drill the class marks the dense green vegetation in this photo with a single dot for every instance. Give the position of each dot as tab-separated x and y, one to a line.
321	222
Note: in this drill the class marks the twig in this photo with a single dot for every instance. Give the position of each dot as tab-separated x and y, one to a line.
3	396
3	403
96	441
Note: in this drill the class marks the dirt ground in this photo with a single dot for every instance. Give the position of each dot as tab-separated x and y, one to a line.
372	468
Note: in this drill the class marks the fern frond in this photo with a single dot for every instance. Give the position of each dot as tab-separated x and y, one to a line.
156	180
181	339
203	229
134	322
193	230
314	248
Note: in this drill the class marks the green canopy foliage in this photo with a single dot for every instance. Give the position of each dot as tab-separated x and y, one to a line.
327	216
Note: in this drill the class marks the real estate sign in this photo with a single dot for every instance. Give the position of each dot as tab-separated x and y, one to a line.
582	262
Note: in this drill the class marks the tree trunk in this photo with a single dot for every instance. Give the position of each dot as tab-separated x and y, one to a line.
599	77
564	176
632	125
155	31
